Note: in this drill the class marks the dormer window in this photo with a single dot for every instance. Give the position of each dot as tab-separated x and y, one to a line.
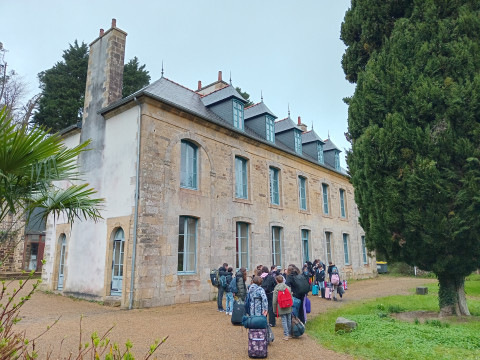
270	129
337	160
320	153
298	142
238	114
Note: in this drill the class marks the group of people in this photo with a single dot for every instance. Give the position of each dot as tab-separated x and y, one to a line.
264	287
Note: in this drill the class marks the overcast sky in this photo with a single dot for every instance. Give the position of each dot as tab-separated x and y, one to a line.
289	50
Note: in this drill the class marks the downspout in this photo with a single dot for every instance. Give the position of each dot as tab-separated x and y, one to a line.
137	189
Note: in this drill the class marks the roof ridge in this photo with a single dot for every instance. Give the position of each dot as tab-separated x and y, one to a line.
180	85
252	106
282	119
213	92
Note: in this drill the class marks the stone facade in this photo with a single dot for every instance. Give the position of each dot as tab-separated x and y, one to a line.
12	244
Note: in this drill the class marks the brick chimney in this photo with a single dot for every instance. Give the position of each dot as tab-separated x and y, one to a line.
301	125
219	76
104	87
199	85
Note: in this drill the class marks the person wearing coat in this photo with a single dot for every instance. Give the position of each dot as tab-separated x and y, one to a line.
241	277
292	271
255	291
284	313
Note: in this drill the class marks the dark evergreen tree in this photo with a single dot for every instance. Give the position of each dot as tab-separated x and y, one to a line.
135	77
245	95
414	126
63	87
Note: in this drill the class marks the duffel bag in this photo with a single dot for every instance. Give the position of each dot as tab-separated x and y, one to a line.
255	322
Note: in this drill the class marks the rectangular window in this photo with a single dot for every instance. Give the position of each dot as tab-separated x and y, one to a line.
342	203
345	249
302	192
270	130
305	237
238	114
328	243
364	250
325	198
337	160
242	245
276	248
187	240
241	178
320	153
298	142
274	187
188	165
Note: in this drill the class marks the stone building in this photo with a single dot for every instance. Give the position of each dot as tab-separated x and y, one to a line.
193	179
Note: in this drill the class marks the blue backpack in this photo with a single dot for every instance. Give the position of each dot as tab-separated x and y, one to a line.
233	286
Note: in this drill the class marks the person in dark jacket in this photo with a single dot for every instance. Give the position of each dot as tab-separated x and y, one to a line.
229	295
241	278
222	271
292	271
330	267
320	280
268	284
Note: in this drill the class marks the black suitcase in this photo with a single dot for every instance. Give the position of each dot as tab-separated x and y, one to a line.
238	312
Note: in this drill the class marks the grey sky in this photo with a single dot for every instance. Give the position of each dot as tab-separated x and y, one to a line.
289	50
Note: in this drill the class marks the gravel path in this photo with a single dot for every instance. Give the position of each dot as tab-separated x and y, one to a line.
196	331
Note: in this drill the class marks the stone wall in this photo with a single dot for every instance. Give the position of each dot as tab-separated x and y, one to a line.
12	244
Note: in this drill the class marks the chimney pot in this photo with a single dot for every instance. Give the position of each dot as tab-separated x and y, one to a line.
219	76
114	23
102	32
299	120
199	84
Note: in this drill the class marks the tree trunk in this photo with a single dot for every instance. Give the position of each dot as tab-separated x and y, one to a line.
451	295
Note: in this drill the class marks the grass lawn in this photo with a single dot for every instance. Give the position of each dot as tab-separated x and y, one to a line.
380	336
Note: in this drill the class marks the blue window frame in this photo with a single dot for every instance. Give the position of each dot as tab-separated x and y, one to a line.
238	114
274	187
337	160
305	238
189	160
187	245
241	240
298	142
320	153
342	203
276	245
325	198
345	249
241	178
302	192
364	250
270	129
328	243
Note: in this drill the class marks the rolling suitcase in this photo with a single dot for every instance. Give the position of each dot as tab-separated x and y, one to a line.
238	312
328	291
257	343
315	290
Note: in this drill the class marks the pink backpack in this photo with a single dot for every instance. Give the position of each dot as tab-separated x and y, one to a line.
335	279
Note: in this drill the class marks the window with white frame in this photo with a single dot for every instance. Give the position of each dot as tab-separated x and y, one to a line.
188	165
328	245
346	248
238	114
364	250
270	129
298	142
241	178
302	192
187	244
325	198
274	186
305	239
276	247
241	243
342	203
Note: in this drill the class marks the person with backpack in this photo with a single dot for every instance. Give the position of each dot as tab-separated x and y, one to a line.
229	293
222	271
256	291
282	304
320	280
268	284
300	287
329	270
335	280
241	278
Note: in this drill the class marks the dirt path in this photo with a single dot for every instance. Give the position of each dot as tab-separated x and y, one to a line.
196	331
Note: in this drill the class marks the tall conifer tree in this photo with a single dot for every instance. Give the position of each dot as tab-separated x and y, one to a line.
414	126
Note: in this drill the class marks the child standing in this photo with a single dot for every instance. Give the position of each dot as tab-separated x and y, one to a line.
229	296
285	313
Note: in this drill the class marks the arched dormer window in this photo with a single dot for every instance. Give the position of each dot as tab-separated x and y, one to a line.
189	165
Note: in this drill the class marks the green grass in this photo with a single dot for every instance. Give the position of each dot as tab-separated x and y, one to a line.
379	336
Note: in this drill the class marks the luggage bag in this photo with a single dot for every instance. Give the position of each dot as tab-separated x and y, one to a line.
297	327
328	292
257	343
238	312
315	290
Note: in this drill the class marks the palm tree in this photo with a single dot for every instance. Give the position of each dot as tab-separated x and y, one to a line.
38	171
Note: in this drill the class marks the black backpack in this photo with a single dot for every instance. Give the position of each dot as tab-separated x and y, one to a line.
268	284
302	286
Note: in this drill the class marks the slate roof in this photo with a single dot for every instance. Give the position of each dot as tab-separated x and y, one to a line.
222	94
256	110
182	98
311	136
329	145
284	125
